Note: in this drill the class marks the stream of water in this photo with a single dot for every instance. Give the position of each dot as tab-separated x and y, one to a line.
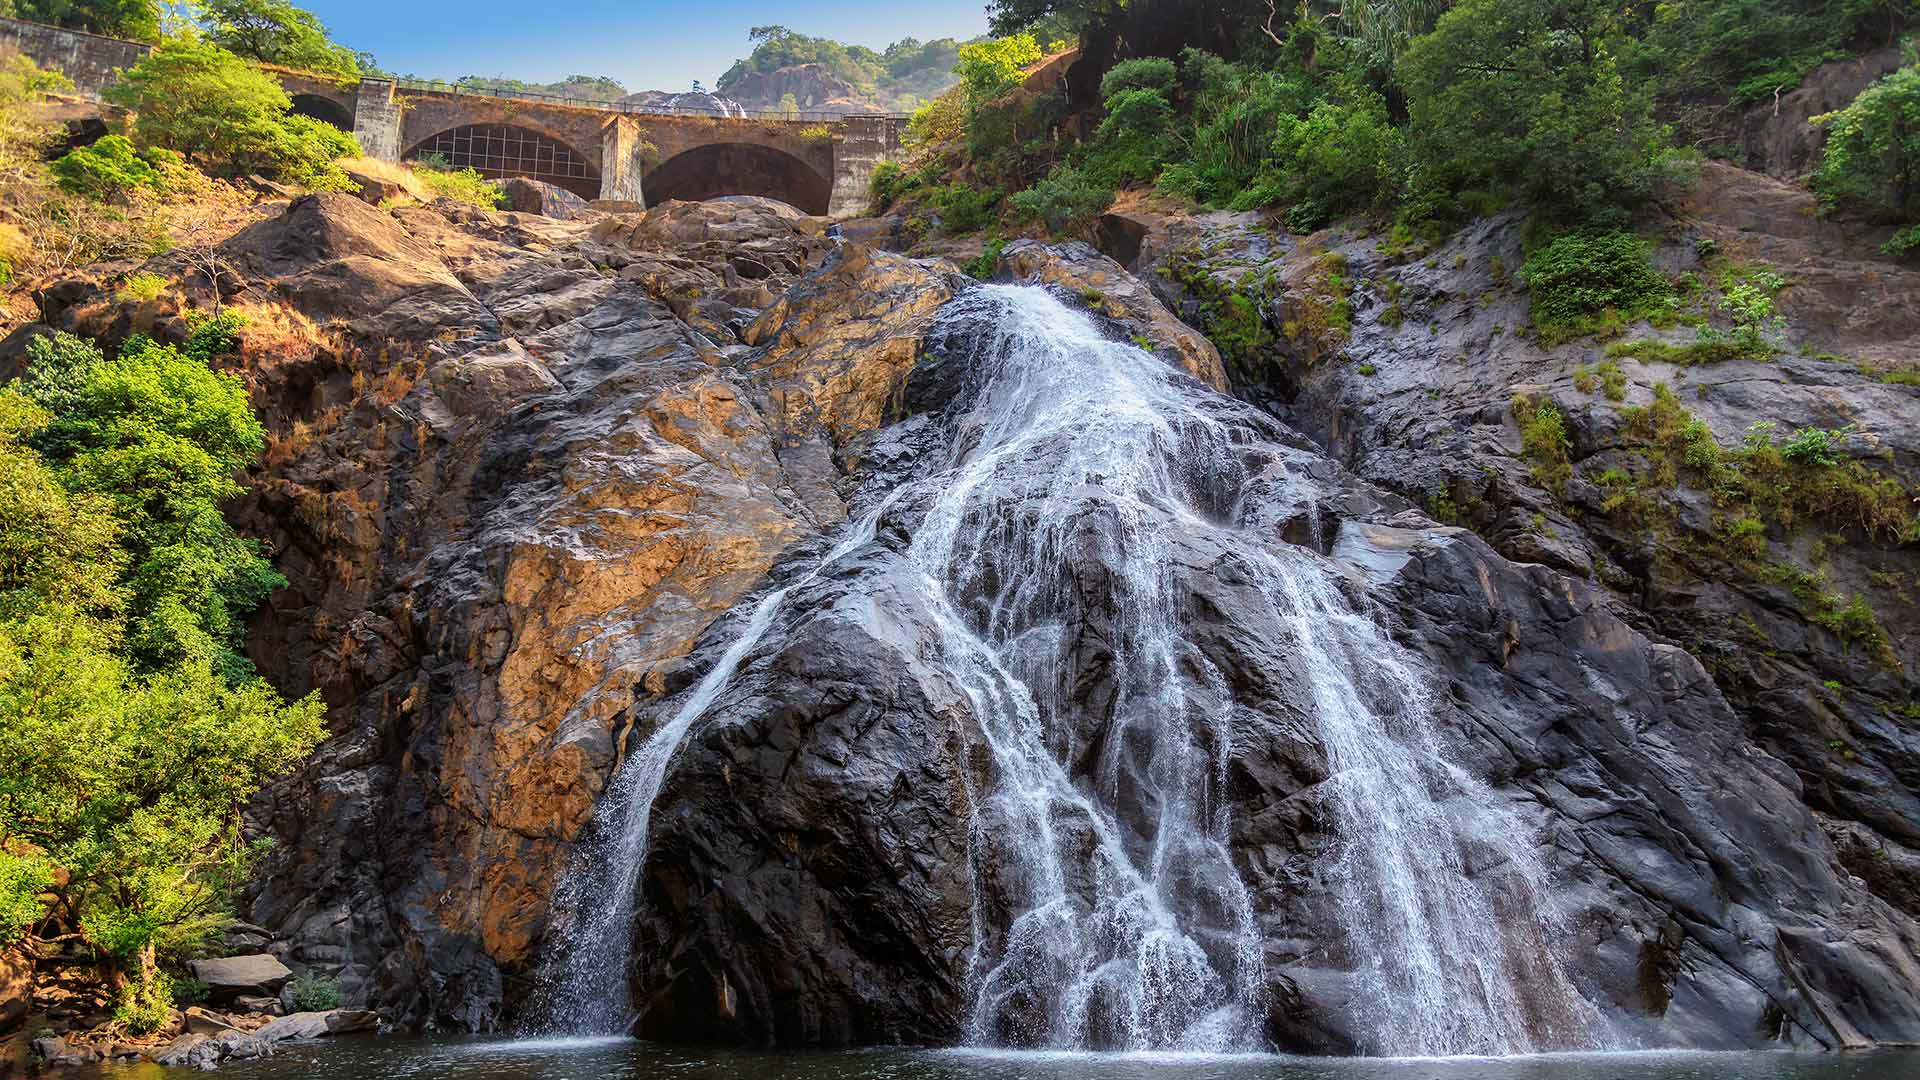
357	1058
1117	919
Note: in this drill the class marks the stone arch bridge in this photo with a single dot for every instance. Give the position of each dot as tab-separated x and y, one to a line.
599	150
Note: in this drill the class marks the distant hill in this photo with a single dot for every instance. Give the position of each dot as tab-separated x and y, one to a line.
820	74
825	75
591	87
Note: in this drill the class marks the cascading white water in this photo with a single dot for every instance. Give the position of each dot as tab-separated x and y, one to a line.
1084	466
1108	910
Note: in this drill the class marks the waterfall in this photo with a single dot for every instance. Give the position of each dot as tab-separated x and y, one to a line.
586	990
1085	466
1108	911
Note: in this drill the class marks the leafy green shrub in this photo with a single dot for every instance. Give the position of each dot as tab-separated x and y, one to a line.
1814	446
1581	277
1067	201
313	992
1543	439
111	167
964	209
1872	155
982	268
141	286
1234	109
309	151
461	185
888	182
1904	242
143	1007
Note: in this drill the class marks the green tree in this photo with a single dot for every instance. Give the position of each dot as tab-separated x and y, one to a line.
277	32
990	68
1872	156
225	116
137	19
122	776
130	784
1526	97
161	438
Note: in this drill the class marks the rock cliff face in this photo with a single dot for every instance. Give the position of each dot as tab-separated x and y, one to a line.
526	473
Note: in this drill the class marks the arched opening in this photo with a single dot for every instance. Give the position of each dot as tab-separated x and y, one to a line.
707	172
325	110
499	151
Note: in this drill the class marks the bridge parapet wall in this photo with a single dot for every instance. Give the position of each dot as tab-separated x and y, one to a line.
88	59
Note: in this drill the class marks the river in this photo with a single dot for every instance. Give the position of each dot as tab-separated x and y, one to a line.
358	1058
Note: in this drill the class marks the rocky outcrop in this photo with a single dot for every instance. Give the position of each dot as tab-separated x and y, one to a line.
814	90
1420	398
529	196
234	975
529	475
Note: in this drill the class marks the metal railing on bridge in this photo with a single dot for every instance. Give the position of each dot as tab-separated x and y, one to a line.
639	108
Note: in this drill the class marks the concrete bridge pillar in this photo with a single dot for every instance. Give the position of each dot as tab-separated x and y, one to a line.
623	146
862	143
376	120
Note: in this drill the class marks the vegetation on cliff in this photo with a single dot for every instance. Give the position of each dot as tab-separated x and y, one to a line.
131	727
1381	109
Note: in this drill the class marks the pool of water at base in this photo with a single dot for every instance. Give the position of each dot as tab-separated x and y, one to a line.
593	1059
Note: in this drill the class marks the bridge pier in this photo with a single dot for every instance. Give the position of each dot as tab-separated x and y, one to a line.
376	119
863	142
623	146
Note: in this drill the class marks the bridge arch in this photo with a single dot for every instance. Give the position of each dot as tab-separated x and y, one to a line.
498	151
730	168
323	109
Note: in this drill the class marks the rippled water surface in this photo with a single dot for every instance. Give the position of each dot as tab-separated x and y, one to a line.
387	1059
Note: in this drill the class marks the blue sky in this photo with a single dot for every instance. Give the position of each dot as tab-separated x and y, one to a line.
646	44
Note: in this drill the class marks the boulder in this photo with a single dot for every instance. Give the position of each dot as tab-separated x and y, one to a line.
254	1003
229	975
16	987
186	1052
300	1025
528	196
201	1021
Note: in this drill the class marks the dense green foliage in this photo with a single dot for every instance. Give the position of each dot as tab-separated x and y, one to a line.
1570	133
276	32
227	118
1746	50
1583	277
137	19
130	730
162	437
112	166
1872	158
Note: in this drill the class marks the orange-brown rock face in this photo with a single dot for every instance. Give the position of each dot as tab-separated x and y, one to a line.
518	465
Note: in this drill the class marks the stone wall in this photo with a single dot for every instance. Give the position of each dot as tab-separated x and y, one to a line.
88	59
864	141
